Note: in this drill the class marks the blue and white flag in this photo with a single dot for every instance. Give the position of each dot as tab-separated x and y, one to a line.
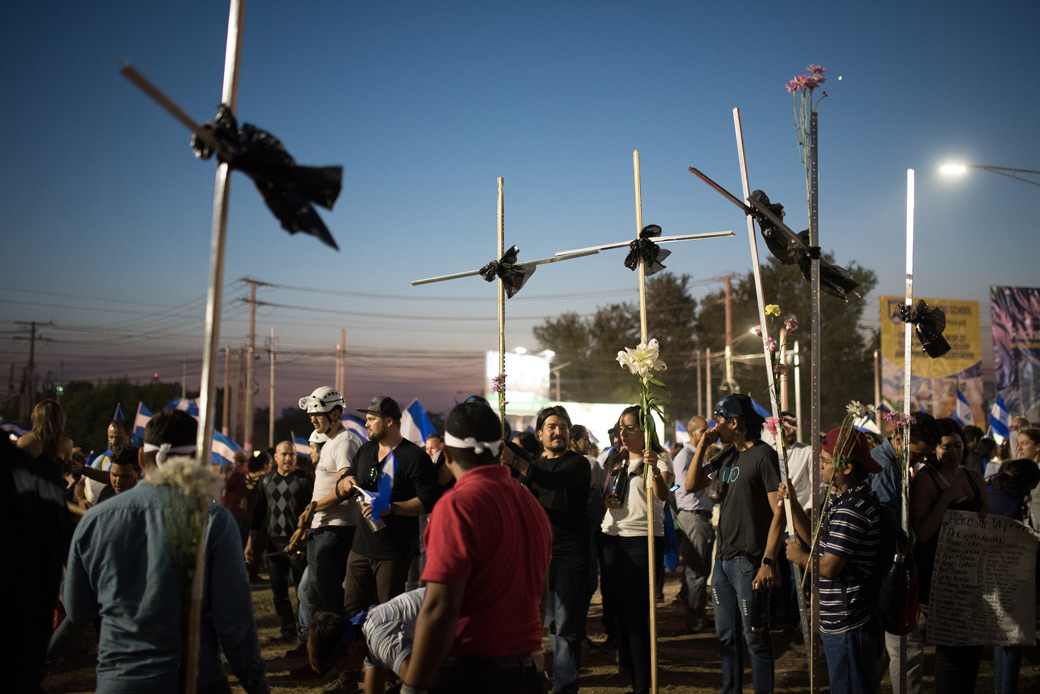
118	416
140	422
759	409
681	435
866	424
14	429
379	500
189	406
999	421
223	449
303	446
357	426
962	414
415	425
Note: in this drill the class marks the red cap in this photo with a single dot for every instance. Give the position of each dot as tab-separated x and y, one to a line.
854	446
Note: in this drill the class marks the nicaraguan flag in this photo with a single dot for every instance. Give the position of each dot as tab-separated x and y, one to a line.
866	424
189	406
357	426
14	429
140	421
999	421
223	449
962	414
759	409
379	500
415	425
681	435
303	446
118	416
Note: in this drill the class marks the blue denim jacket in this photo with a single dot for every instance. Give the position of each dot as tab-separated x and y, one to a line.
120	568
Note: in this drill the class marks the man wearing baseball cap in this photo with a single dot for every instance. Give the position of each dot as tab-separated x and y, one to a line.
848	549
751	520
395	481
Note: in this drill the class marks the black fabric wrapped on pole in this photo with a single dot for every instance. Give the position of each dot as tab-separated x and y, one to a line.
287	189
650	252
929	323
513	276
794	249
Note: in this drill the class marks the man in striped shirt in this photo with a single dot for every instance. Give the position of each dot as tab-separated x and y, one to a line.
848	550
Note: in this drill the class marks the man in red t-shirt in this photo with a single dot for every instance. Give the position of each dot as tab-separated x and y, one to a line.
488	545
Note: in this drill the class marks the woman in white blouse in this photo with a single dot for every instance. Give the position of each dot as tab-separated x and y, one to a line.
626	557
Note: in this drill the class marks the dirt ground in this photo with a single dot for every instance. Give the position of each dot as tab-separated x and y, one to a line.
686	662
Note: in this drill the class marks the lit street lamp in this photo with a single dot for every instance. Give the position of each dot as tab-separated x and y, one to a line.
959	169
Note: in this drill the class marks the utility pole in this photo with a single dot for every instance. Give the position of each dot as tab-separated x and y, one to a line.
248	419
227	390
270	422
28	400
700	412
729	384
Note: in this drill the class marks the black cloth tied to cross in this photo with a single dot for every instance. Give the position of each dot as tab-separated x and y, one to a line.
287	189
650	252
513	276
834	280
929	323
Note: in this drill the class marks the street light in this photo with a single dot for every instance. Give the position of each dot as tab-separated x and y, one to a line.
960	169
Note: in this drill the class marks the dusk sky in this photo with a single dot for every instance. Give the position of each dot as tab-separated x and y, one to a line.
106	214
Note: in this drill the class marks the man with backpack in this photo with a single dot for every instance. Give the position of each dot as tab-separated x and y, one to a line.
849	545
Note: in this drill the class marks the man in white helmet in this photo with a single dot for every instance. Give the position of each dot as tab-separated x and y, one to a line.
329	521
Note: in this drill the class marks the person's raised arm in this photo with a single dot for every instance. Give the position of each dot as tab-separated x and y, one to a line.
697	477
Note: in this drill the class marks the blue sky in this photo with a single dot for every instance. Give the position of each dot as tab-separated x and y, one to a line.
105	214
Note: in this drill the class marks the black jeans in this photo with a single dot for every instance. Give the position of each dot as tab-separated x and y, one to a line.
482	675
627	572
281	571
956	669
327	550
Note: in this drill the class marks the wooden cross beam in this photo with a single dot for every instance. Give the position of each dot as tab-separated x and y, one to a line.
504	262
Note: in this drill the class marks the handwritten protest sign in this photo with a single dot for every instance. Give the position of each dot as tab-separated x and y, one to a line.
983	587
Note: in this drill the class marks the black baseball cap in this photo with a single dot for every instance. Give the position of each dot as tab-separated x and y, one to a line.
383	406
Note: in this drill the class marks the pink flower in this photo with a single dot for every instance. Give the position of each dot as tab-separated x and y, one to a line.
791	324
780	369
792	86
498	383
802	82
757	330
817	72
770	344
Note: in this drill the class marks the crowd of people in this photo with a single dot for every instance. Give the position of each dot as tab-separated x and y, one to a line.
440	568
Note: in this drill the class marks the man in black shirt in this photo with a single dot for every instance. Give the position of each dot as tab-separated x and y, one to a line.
560	480
377	566
750	529
284	493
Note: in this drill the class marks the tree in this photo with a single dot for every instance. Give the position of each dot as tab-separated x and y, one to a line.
846	368
590	345
89	408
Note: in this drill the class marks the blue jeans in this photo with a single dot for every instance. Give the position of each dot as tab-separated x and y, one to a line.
852	658
327	550
731	591
565	615
1007	661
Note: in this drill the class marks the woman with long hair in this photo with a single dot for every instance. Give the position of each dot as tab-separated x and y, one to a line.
1029	443
940	486
626	557
48	441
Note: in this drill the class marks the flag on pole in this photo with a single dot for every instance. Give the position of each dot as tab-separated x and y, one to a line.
189	406
140	421
759	409
380	499
999	421
223	449
118	416
962	413
357	426
681	435
415	425
303	446
866	424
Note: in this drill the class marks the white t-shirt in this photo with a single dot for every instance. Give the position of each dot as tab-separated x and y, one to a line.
389	630
337	454
630	519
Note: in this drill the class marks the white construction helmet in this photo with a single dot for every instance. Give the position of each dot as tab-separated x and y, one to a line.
318	439
322	400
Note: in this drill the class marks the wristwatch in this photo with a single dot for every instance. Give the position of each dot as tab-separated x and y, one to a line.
392	509
766	561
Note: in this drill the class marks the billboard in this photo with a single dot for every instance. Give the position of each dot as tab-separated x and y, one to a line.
1016	347
934	382
527	381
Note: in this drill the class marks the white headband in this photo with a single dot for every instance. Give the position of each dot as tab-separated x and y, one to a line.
163	451
470	442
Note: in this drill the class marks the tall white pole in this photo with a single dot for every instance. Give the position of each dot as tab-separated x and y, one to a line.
907	330
221	191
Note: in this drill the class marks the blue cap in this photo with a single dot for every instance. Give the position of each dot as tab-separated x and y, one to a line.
739	405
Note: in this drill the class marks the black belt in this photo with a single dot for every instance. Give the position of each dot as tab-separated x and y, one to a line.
476	661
